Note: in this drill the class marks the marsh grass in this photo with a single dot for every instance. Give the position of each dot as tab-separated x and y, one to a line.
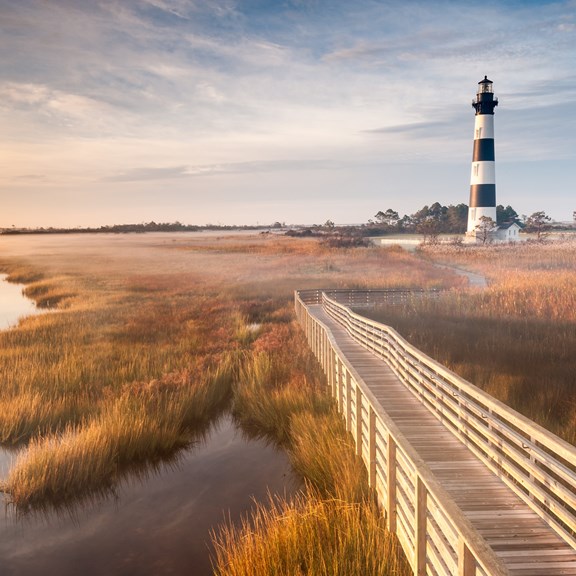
309	536
333	526
107	383
142	342
323	452
277	380
516	339
146	424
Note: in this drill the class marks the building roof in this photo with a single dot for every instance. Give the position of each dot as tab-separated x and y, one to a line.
506	225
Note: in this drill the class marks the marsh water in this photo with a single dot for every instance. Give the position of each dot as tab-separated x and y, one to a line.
156	525
13	304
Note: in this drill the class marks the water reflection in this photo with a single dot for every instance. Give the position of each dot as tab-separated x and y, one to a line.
7	458
158	527
13	304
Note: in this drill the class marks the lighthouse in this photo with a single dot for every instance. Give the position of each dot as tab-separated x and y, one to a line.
483	175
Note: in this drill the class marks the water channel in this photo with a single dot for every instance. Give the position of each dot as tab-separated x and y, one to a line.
155	526
13	304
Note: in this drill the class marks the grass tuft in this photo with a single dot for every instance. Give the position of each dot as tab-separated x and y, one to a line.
309	536
145	424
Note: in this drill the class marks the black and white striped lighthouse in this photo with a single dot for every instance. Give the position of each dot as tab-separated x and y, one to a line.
483	175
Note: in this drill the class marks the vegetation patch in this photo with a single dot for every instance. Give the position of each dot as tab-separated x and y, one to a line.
515	339
310	536
145	349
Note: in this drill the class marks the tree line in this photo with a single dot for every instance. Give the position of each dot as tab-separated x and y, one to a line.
434	219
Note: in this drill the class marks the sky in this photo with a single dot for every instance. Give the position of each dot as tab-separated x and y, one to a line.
295	111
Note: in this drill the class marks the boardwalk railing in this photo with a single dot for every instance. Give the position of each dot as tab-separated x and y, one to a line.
534	463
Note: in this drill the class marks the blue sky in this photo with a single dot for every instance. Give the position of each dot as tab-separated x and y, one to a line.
253	111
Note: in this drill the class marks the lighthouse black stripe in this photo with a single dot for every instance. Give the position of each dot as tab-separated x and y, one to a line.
482	195
483	150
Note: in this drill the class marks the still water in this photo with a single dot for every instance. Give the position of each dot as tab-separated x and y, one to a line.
155	527
13	304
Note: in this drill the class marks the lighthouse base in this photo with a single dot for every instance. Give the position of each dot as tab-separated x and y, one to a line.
478	219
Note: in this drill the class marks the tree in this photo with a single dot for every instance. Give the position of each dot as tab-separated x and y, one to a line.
484	229
538	223
430	227
389	218
507	214
457	219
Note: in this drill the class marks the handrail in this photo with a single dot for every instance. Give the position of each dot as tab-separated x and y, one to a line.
537	465
366	297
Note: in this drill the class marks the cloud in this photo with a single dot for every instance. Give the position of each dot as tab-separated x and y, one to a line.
171	172
34	104
429	129
145	174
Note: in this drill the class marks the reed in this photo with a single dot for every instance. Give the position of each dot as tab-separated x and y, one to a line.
146	424
324	453
515	339
277	380
334	525
309	536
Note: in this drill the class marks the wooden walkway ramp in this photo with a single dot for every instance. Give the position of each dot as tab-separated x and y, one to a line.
519	537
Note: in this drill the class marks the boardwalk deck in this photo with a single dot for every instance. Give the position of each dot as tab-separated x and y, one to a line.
527	545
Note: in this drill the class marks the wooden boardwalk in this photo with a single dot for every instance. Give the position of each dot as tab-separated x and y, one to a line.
517	535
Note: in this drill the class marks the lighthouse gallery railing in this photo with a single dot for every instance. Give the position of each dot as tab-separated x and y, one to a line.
534	463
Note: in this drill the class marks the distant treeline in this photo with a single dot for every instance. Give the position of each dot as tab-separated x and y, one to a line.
434	219
430	221
127	228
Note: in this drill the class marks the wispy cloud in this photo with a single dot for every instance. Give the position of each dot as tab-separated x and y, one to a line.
171	172
426	129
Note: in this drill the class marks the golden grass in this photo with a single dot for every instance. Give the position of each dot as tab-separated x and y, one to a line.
309	536
112	380
324	453
331	527
279	378
144	424
515	339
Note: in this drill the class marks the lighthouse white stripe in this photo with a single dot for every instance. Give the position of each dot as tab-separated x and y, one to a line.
483	126
474	215
483	173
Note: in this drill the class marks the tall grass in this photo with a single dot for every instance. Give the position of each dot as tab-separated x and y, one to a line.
323	452
111	381
309	536
515	339
146	424
334	525
277	380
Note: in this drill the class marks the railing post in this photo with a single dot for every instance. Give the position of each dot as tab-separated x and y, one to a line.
358	421
340	383
372	448
324	358
333	372
348	401
421	511
391	490
466	561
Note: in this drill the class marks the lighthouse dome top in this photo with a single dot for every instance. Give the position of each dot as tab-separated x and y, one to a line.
485	85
